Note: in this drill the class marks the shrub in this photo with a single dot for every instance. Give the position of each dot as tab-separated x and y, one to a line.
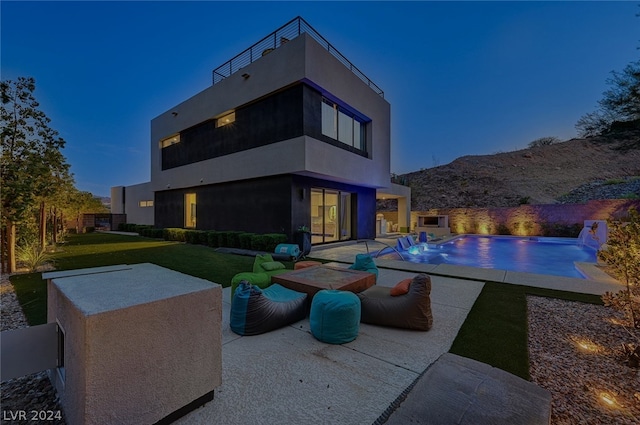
544	141
622	254
152	233
267	242
175	234
233	239
222	239
32	257
89	229
245	240
195	237
212	238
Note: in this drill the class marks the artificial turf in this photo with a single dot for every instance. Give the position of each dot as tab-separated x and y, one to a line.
495	331
99	249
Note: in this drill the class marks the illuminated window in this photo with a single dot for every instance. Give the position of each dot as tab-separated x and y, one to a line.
226	119
190	210
145	203
170	141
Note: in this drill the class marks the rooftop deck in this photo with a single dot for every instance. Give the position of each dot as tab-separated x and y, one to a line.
282	35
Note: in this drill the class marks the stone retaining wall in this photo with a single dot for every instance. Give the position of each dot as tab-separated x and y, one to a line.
526	220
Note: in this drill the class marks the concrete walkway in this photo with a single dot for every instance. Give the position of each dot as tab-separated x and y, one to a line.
288	377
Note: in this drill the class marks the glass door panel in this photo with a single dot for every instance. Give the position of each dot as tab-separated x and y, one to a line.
317	209
331	216
190	210
345	216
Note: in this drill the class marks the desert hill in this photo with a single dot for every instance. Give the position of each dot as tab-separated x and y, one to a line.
573	171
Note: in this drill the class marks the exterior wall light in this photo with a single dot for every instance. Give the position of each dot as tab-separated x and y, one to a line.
246	76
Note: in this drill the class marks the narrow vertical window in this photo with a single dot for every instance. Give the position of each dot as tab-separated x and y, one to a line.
329	120
190	210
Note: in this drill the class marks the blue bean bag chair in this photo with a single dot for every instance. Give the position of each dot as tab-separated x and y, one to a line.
335	316
255	311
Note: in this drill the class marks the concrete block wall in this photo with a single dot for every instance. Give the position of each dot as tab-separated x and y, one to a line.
525	220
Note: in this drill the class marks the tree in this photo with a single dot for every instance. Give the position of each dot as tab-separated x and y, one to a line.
620	103
622	99
31	160
594	124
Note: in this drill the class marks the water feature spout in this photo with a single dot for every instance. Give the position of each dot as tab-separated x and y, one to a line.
594	234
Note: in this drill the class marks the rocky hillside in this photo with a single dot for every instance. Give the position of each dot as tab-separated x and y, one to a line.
573	171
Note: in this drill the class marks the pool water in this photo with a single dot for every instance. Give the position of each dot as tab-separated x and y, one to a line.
552	256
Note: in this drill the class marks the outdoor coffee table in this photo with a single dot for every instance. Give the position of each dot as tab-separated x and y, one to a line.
310	280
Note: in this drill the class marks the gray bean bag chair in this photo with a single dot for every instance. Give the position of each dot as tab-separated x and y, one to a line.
255	311
409	311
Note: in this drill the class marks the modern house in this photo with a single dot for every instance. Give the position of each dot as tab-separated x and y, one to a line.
289	134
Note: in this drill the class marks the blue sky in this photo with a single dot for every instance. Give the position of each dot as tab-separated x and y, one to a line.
462	78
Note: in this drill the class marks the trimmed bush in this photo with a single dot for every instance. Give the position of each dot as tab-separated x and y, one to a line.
175	234
152	233
195	237
89	229
233	239
267	242
212	238
222	238
245	240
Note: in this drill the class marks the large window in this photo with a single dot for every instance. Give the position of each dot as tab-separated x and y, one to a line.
190	210
342	125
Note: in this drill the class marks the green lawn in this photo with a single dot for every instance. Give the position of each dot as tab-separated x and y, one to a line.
495	331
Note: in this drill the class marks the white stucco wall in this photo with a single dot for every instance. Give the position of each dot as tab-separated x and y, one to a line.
300	60
126	200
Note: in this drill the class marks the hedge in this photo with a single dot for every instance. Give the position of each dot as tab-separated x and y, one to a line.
175	234
196	237
245	240
231	239
267	242
152	233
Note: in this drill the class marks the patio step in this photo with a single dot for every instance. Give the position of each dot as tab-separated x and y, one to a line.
458	390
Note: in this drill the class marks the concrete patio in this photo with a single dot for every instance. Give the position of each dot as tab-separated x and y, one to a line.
287	376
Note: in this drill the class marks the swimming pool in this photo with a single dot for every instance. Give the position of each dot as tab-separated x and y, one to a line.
552	256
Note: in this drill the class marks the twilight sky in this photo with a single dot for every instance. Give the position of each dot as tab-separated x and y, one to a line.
462	78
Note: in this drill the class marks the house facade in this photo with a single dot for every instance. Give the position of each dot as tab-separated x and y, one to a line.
290	134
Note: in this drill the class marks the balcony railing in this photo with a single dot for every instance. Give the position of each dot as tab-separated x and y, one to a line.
285	33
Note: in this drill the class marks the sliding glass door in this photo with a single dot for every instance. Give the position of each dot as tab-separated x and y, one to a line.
330	215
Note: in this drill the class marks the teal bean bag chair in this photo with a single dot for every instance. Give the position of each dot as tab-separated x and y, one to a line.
365	263
335	316
255	311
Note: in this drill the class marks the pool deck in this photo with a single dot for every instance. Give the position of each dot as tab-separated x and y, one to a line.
385	375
